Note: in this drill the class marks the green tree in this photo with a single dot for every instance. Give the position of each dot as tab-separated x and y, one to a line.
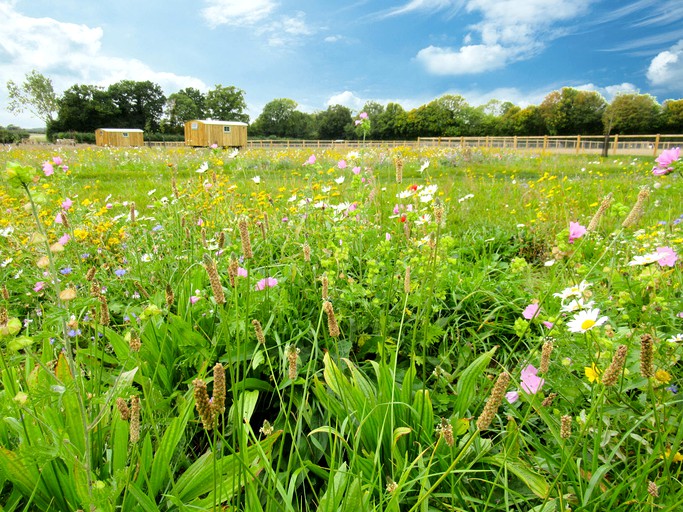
334	123
84	108
672	116
573	112
139	104
632	114
392	123
226	104
182	106
36	94
276	118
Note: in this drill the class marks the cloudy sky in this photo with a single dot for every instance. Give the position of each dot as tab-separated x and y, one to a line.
348	51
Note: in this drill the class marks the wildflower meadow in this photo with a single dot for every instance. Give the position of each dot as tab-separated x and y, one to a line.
404	329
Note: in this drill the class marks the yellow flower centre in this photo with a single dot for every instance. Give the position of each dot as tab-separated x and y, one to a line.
587	324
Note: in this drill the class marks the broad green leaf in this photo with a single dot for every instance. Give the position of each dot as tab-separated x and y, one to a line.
161	466
466	386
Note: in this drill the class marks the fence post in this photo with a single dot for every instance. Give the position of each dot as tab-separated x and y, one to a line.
578	143
656	148
545	143
616	144
462	142
514	142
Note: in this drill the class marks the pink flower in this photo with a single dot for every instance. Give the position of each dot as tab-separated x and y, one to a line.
194	299
531	382
387	236
57	160
356	170
67	203
670	257
576	230
512	396
548	325
200	222
39	286
242	272
531	311
661	171
665	160
341	164
48	170
310	161
64	239
268	282
668	157
357	122
58	218
363	115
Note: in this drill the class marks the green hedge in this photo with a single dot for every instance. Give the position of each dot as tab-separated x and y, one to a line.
12	136
81	137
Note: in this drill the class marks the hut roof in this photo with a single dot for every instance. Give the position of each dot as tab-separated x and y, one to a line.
121	130
213	121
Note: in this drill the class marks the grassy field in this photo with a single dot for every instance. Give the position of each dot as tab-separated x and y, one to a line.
391	330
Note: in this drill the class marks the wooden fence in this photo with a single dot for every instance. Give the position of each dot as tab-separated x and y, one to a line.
577	144
649	145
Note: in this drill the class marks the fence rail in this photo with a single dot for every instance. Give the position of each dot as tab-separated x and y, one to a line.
579	144
650	145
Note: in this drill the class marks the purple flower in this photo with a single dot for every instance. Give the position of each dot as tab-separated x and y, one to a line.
531	383
268	282
512	396
531	311
576	230
158	227
120	272
57	160
66	271
363	115
73	333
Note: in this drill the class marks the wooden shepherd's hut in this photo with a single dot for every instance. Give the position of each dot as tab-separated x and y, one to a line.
205	133
119	137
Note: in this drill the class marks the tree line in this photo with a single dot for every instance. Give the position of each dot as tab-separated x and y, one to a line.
142	104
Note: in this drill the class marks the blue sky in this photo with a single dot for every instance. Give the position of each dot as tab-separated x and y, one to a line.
348	52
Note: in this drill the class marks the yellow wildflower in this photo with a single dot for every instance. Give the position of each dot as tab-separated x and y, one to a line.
592	373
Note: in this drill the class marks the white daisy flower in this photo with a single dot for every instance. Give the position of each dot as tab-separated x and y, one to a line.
585	320
576	305
573	291
646	259
256	179
340	180
203	168
676	339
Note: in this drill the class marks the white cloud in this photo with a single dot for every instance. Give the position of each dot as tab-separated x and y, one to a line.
68	53
237	12
509	30
287	31
425	5
467	60
346	99
666	68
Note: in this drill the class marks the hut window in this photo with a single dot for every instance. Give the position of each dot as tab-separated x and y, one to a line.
125	134
194	126
226	129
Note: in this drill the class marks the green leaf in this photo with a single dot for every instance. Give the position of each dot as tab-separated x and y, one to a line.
466	386
161	465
